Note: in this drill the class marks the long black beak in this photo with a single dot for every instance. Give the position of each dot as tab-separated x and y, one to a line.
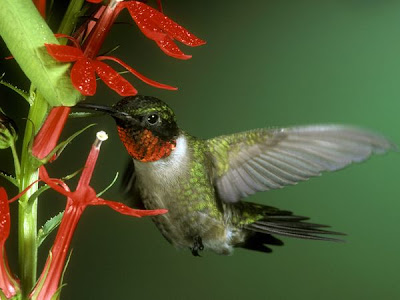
105	109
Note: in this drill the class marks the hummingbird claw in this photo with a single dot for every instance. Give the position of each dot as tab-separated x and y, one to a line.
197	246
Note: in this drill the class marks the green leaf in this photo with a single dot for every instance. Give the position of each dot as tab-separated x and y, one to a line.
36	194
25	32
45	187
2	296
63	273
72	175
9	177
75	115
48	227
57	294
109	186
61	146
20	92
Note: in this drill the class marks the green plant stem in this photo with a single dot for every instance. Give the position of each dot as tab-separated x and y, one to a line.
16	160
27	223
26	170
25	32
74	11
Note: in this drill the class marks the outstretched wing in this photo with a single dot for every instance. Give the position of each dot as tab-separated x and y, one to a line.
265	159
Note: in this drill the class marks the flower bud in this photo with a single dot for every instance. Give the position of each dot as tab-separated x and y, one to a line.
8	132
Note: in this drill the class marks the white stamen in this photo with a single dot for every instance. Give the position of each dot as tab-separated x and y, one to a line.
101	136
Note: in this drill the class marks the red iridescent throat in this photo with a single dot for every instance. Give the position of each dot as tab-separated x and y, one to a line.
144	145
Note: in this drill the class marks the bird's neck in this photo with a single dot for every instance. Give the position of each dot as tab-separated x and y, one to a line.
162	172
144	146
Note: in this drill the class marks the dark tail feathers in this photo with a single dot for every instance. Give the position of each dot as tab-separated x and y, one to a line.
283	223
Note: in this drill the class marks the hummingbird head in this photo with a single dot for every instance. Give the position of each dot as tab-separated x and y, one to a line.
146	126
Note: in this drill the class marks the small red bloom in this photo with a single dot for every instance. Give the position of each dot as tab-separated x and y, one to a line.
161	29
83	72
50	132
8	284
77	201
154	24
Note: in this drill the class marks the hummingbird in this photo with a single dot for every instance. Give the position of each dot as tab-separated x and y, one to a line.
203	182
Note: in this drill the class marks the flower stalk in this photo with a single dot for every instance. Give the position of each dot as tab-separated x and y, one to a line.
56	85
77	201
27	210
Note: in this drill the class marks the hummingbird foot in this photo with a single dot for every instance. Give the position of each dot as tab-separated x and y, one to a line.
197	246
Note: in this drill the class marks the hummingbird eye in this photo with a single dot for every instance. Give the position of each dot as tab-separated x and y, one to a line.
152	119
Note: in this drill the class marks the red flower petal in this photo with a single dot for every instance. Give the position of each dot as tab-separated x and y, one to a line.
157	26
64	53
23	192
49	280
137	74
55	183
173	29
94	1
126	210
168	46
77	201
8	284
114	80
70	38
4	217
48	136
83	77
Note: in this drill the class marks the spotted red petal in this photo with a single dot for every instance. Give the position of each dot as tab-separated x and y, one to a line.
94	1
126	210
138	75
114	80
83	77
64	53
173	29
156	26
4	217
168	46
8	284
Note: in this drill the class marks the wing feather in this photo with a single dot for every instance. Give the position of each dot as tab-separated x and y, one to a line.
265	159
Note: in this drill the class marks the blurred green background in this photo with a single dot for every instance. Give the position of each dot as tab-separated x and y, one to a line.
266	63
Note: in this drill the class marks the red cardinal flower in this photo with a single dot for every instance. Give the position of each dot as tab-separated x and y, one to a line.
8	284
77	201
158	3
161	29
50	132
154	24
83	72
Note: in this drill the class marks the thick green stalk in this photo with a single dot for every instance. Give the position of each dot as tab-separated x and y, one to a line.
27	223
25	33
